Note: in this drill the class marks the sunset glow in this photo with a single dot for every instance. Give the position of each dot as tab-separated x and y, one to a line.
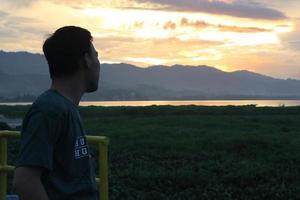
228	34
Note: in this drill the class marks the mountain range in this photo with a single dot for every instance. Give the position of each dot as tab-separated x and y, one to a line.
25	75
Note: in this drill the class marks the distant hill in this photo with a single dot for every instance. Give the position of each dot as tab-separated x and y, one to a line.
25	75
20	63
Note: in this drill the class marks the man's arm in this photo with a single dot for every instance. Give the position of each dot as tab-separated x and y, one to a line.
28	185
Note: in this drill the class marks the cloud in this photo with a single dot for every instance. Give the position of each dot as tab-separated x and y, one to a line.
236	8
9	21
72	3
170	50
139	24
170	25
3	14
290	7
19	33
238	29
199	24
232	8
196	24
291	40
17	3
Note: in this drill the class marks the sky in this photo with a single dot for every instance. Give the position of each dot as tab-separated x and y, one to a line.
260	36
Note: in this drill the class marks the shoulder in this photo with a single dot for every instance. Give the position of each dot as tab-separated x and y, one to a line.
51	105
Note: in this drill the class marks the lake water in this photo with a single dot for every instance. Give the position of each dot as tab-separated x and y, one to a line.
259	103
12	122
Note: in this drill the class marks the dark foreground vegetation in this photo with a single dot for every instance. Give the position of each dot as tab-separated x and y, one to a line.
195	152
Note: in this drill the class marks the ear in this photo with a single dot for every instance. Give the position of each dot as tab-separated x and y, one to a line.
84	61
87	60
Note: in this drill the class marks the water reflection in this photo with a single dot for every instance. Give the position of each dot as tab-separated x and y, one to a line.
259	103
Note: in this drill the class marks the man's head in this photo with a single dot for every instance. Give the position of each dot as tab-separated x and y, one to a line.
69	51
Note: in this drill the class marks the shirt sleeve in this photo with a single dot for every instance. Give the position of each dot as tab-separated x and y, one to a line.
38	137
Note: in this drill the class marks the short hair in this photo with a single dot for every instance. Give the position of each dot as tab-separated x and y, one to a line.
64	49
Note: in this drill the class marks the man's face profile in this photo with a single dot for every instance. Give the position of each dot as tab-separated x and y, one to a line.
93	70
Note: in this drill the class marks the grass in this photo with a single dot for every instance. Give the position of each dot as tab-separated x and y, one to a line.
196	152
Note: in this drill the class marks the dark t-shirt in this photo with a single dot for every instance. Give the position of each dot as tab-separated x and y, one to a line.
52	137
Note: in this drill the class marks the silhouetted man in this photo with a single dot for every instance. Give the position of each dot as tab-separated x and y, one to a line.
54	161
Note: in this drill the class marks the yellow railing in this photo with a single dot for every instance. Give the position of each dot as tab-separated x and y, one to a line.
101	141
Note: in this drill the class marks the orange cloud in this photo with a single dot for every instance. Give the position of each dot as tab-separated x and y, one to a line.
139	24
196	24
170	25
238	29
169	50
202	24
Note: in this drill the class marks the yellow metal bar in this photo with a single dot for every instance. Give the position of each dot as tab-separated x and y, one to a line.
97	139
3	163
4	168
103	171
101	141
7	168
7	134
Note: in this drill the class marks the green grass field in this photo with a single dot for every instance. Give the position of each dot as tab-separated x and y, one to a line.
195	152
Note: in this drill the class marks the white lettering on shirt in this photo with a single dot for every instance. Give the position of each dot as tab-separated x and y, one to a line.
81	148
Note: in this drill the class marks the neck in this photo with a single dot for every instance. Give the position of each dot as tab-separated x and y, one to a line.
70	88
